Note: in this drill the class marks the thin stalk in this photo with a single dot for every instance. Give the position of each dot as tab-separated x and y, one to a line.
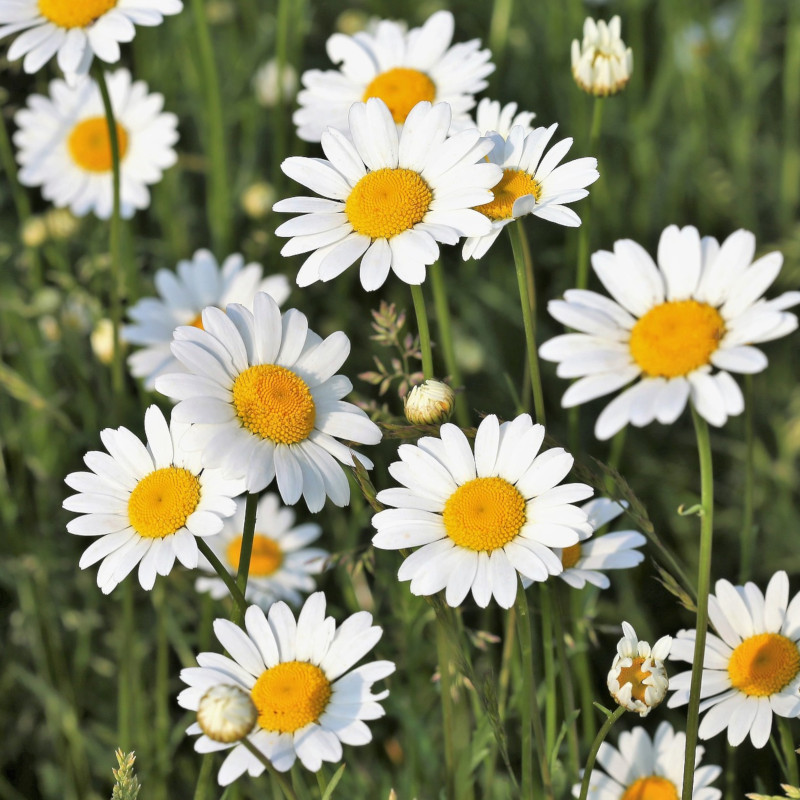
703	585
584	234
218	204
551	694
286	787
163	699
598	740
225	576
424	331
567	688
526	286
446	337
243	572
789	754
126	659
748	534
203	789
443	655
529	710
281	106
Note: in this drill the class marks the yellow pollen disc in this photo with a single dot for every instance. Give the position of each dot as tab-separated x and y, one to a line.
570	555
90	145
290	695
676	338
634	676
514	184
484	514
763	664
652	788
74	13
265	559
401	89
274	403
197	322
162	501
387	202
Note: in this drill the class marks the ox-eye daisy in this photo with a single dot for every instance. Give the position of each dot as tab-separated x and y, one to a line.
298	674
64	146
400	67
265	402
643	769
532	183
182	296
480	518
668	326
281	564
391	198
76	30
751	669
146	503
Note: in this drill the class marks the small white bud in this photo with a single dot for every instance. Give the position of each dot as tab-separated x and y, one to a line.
430	403
226	713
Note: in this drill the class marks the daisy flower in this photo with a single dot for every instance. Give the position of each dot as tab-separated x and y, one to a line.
64	147
601	64
75	31
389	198
281	564
400	67
638	679
198	283
668	326
583	560
531	183
480	518
299	676
641	767
751	668
265	403
146	503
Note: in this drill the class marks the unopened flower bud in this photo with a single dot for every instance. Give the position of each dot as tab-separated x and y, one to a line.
430	403
34	232
102	340
269	91
601	65
61	223
226	713
257	199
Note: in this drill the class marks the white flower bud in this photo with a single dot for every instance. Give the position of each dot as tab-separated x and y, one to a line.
226	713
430	403
601	65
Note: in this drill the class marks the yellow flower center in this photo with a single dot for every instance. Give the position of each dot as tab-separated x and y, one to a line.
387	202
290	695
90	145
634	675
401	89
763	664
197	322
514	184
162	501
570	555
74	13
653	787
274	403
484	514
676	338
265	559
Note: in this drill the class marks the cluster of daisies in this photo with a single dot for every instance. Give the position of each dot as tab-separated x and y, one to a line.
259	402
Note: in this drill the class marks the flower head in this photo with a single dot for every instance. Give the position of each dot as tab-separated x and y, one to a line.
265	403
182	296
63	144
401	68
226	713
601	65
481	518
429	403
751	668
637	678
388	199
668	327
491	116
299	675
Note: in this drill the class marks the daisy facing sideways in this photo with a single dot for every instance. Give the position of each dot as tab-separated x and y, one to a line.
281	564
300	677
751	668
75	31
672	330
63	144
146	503
641	768
265	403
480	518
400	67
183	294
387	199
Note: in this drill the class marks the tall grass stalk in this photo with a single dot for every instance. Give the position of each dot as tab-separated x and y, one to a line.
789	752
747	537
248	532
585	231
423	327
445	688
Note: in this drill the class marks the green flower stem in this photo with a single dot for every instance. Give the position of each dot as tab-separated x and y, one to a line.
117	272
703	586
225	576
127	670
567	688
584	234
529	710
279	778
446	337
551	695
527	296
279	141
251	504
598	740
445	689
218	204
789	753
204	789
163	699
424	331
748	534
